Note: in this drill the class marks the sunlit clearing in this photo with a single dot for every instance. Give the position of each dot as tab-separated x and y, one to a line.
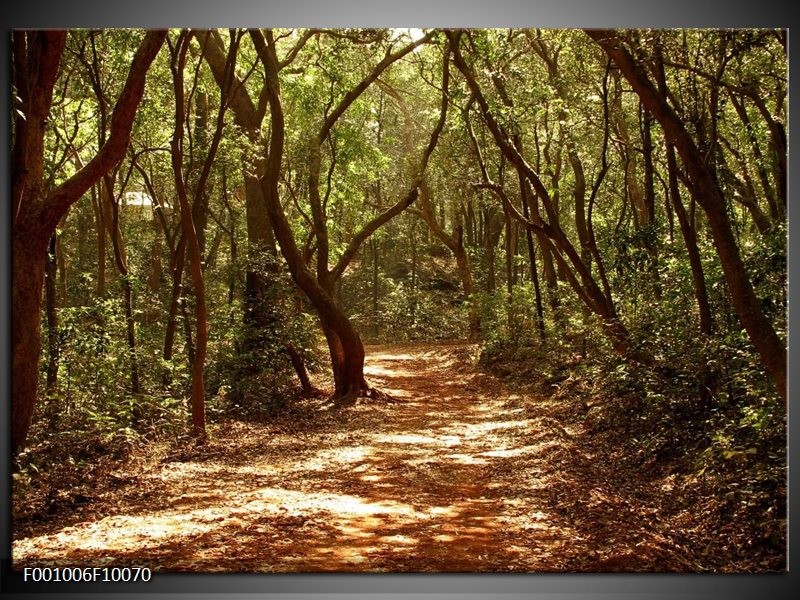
398	539
323	459
120	532
390	372
390	357
269	498
441	510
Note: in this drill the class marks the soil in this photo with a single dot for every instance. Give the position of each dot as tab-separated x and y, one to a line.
454	472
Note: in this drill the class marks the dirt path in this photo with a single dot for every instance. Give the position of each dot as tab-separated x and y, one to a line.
459	474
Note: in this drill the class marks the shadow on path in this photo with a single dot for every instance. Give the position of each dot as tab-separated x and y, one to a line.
458	475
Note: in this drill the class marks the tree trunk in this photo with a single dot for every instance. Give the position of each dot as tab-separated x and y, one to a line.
28	260
178	263
189	230
36	57
526	211
100	228
651	242
706	191
261	251
344	344
120	259
686	227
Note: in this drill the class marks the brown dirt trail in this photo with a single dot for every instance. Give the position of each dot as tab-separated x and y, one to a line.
458	474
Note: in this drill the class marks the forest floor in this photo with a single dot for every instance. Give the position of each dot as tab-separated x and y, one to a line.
458	474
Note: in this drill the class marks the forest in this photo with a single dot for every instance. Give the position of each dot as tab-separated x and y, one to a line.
399	300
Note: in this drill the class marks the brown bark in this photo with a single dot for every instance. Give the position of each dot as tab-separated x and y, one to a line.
537	293
455	243
707	193
260	237
178	265
568	257
36	57
189	228
743	183
344	343
579	186
299	366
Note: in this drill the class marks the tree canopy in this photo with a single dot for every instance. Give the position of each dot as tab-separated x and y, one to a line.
209	223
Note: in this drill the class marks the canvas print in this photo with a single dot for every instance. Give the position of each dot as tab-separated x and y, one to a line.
398	300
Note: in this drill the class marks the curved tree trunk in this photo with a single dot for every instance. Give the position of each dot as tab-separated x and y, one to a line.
36	58
708	194
455	243
344	344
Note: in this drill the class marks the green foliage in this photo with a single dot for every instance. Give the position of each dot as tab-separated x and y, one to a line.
250	372
711	397
409	314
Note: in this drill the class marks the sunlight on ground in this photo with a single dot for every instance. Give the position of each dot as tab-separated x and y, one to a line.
508	452
447	440
411	482
466	459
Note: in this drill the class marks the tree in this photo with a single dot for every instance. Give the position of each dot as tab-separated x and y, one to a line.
576	270
706	190
344	343
36	56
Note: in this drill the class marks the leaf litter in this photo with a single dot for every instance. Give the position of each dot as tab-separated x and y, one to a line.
458	473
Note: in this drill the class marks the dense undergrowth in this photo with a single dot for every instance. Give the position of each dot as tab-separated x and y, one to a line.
718	454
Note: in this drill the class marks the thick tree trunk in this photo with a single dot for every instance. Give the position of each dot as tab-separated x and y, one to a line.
344	344
36	57
28	260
